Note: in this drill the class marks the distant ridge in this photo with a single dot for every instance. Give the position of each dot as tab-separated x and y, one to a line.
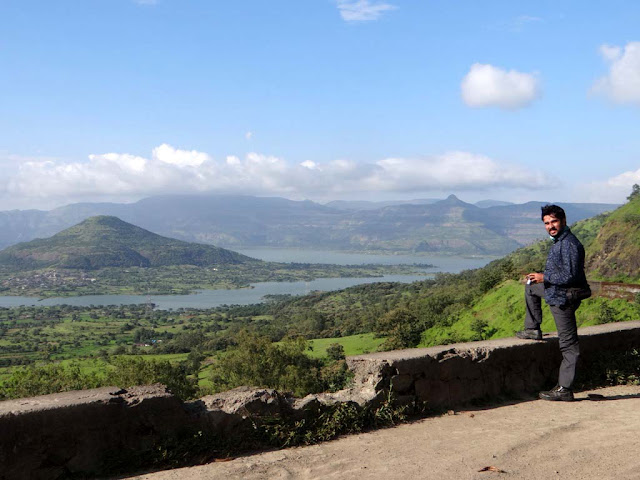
106	241
368	205
492	203
449	226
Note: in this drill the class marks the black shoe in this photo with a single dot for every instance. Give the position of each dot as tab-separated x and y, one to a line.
562	394
529	334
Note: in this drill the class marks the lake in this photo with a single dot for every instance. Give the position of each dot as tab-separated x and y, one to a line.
246	296
443	264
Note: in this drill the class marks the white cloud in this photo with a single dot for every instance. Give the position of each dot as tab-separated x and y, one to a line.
622	83
125	177
362	10
310	165
613	190
610	53
456	170
489	86
167	154
124	162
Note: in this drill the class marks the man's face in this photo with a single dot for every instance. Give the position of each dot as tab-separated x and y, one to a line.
553	225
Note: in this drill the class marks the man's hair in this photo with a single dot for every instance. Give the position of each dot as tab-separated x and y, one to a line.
554	211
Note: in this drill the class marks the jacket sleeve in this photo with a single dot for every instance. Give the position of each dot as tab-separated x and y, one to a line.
563	269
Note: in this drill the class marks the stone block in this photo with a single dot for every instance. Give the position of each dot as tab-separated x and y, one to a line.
401	383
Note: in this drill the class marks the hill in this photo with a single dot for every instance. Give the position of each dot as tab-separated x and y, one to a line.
105	241
447	226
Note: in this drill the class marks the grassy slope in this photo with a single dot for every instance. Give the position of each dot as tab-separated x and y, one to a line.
614	253
503	310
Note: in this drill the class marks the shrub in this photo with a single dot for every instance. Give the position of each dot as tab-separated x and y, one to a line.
610	368
606	313
339	419
402	329
479	327
45	379
256	361
127	372
336	375
335	352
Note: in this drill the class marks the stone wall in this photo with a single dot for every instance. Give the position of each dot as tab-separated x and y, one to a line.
446	376
95	433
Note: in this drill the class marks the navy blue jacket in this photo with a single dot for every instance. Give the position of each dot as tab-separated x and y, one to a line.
564	268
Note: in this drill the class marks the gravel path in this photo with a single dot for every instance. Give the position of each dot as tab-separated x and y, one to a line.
529	440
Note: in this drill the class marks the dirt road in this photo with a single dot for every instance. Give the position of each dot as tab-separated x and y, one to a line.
531	440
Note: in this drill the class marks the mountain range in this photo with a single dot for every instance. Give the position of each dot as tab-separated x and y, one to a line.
448	226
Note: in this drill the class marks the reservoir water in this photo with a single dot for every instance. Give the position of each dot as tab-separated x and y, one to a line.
255	294
448	264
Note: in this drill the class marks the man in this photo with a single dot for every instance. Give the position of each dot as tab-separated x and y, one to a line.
564	269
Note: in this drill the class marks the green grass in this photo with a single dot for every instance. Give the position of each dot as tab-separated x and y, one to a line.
171	357
88	365
204	377
591	310
353	345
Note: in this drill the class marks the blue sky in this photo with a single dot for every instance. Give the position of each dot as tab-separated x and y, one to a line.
116	100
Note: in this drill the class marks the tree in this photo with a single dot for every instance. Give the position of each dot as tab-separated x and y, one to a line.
402	328
143	335
489	277
479	327
335	352
45	379
119	350
256	361
606	313
194	362
129	371
635	192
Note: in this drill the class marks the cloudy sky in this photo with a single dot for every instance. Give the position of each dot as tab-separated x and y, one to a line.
115	100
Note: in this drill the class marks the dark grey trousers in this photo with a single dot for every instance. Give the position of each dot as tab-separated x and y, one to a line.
565	318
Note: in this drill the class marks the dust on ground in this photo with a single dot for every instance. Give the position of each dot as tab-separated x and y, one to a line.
535	439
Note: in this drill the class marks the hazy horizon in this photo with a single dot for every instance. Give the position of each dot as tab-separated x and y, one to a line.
326	202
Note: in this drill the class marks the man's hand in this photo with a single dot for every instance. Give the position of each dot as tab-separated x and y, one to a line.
535	277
